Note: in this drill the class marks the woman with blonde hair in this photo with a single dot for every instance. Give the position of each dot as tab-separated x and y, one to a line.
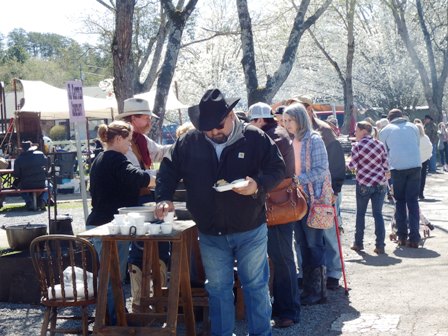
311	241
114	183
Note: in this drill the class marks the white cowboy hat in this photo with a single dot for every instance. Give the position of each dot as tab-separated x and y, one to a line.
134	106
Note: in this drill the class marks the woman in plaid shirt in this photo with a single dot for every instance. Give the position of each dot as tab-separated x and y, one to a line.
369	158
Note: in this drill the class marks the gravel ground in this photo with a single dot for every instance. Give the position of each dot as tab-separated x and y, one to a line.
25	319
373	280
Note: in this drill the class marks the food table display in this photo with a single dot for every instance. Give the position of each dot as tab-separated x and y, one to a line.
160	311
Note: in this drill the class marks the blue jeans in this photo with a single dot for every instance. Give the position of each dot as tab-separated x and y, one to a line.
123	252
332	258
406	189
219	253
286	302
136	254
376	196
444	154
311	243
42	199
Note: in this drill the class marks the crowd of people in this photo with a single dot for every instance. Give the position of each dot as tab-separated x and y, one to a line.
264	146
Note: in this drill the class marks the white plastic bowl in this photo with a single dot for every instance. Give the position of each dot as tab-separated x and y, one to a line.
145	211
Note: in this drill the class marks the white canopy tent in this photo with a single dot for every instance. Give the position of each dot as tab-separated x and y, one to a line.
52	102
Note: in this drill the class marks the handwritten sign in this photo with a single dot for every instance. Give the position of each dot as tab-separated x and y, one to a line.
75	101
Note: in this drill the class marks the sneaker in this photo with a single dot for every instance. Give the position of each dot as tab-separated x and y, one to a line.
357	248
379	250
332	283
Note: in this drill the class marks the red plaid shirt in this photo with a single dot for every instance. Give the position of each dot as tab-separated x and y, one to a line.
369	158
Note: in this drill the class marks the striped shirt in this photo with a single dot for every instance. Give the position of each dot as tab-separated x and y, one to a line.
369	158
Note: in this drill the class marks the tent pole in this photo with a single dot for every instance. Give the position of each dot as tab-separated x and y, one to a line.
89	163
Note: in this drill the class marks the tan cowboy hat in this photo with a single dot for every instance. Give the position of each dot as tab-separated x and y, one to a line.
133	106
305	100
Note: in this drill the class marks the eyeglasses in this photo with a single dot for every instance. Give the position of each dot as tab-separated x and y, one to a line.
222	124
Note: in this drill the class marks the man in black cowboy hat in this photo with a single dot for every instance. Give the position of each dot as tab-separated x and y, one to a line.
231	223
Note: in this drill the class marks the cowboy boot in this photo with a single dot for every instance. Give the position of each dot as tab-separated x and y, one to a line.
306	288
315	287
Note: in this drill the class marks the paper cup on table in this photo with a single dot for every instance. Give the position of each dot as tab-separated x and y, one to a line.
169	217
166	228
114	229
140	229
124	229
120	219
154	228
136	219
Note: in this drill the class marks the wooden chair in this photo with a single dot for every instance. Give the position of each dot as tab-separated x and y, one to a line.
67	269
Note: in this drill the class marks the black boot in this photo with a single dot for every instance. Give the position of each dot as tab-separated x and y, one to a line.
314	286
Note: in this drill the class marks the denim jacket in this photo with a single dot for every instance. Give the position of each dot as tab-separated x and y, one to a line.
319	163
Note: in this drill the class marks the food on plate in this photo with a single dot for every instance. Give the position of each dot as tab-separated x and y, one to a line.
221	183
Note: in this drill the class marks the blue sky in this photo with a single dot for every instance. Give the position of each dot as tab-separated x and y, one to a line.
62	17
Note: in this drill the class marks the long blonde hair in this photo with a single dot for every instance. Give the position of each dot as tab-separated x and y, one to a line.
298	113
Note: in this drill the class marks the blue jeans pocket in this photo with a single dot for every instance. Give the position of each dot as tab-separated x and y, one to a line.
362	190
381	188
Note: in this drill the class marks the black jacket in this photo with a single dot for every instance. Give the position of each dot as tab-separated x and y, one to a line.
284	143
31	169
114	183
336	159
249	152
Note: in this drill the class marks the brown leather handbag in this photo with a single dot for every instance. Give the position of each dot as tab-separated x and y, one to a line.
286	203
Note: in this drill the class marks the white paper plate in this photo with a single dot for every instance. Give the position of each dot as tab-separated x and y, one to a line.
235	184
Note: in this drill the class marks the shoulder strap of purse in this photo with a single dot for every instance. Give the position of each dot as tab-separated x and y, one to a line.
308	168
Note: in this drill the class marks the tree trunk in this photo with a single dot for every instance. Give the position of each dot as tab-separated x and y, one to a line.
178	20
433	85
349	106
255	92
122	52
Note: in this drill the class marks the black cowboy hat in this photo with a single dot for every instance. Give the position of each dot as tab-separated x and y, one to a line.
212	109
